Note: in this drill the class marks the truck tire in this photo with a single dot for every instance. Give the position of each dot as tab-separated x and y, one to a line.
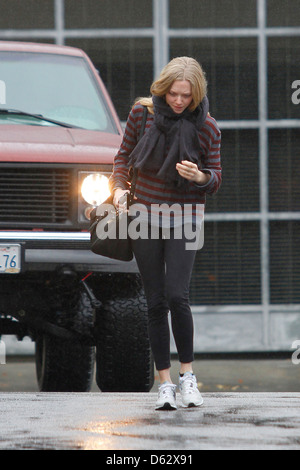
124	361
64	365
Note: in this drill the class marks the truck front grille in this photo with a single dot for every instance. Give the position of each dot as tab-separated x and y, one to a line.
34	195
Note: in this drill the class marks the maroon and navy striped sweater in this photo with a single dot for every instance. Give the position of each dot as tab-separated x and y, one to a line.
152	190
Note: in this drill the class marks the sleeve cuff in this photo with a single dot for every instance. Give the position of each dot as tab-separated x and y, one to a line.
206	185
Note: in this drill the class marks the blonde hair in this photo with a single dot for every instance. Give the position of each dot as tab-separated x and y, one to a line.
180	68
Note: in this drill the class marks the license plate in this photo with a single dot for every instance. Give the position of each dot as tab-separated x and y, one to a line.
10	259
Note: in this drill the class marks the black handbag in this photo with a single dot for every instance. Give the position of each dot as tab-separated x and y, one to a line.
109	227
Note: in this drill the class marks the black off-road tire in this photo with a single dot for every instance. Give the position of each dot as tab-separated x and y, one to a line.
123	356
65	365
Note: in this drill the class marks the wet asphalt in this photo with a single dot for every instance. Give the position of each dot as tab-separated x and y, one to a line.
100	421
248	405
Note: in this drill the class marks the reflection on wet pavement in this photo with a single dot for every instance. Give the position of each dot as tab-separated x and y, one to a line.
129	422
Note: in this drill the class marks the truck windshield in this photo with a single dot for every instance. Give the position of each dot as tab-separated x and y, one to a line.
59	87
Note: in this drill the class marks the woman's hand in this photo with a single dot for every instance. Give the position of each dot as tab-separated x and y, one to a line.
119	193
190	171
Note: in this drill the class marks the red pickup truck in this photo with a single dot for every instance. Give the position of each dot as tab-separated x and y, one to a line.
59	133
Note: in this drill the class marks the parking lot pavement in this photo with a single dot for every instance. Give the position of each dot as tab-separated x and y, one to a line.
126	421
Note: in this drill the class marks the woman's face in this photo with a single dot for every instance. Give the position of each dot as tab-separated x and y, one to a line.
179	96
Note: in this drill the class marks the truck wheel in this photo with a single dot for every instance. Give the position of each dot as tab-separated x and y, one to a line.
123	357
65	365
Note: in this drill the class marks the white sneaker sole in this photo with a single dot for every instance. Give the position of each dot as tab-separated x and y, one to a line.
193	404
166	406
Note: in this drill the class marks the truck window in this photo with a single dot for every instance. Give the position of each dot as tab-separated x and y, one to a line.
59	87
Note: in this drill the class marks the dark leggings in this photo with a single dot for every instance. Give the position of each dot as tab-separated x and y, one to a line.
166	267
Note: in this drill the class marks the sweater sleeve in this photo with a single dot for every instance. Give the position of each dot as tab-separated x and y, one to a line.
120	176
211	161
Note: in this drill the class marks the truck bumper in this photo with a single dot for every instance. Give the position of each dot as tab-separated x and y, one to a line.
46	251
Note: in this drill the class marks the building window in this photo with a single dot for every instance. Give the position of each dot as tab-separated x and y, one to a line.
230	65
212	14
28	14
283	12
285	262
284	170
283	70
87	14
227	271
239	191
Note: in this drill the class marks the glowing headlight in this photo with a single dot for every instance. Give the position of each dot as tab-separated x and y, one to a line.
94	189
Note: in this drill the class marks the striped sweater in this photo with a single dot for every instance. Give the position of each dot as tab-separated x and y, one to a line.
151	190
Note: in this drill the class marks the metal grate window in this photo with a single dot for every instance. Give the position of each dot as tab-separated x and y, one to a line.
283	70
283	13
230	65
239	191
107	14
17	14
227	269
284	170
285	262
213	14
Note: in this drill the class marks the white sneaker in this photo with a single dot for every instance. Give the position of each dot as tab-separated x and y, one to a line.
190	394
166	397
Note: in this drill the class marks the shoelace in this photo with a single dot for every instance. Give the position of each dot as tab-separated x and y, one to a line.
167	390
188	384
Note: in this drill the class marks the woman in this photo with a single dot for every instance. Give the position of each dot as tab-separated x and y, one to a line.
178	159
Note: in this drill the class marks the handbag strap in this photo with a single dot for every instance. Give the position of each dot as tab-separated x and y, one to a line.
135	170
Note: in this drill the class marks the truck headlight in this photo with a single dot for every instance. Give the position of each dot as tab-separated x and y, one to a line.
94	188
